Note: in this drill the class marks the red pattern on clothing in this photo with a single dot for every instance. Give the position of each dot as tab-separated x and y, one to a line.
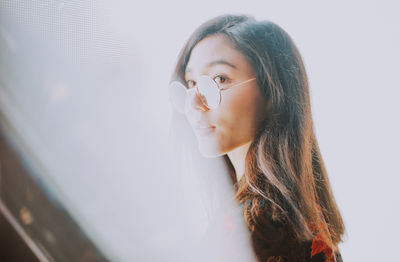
318	245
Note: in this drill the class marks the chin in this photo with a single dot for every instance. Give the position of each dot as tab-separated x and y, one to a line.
210	149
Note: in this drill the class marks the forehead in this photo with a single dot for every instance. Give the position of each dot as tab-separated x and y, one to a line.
216	48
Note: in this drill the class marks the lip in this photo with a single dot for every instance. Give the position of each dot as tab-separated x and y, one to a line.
203	129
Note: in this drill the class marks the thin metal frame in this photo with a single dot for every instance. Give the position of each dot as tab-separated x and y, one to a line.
219	89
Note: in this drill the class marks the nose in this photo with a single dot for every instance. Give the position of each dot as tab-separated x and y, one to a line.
194	101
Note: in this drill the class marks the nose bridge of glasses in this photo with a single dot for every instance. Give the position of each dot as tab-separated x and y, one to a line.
190	90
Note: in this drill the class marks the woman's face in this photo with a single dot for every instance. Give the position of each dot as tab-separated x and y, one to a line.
234	122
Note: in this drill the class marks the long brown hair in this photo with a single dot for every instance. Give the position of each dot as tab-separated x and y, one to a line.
285	180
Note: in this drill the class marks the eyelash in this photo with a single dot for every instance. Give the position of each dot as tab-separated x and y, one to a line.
226	79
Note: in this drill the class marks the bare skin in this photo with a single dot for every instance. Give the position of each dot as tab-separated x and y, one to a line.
229	128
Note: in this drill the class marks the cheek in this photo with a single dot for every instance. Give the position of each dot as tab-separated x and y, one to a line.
240	114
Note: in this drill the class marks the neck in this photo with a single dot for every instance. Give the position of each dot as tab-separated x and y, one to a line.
238	157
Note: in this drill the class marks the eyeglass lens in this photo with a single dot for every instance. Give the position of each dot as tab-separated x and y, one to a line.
207	88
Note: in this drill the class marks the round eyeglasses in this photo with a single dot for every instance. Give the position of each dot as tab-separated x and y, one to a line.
206	87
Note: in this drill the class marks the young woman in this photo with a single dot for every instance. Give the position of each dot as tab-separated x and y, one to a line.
242	85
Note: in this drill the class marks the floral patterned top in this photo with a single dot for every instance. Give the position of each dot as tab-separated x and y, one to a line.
287	249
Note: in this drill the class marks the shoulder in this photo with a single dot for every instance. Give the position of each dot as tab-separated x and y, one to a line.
300	253
274	241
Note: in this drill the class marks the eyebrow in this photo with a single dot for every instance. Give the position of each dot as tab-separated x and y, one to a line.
213	63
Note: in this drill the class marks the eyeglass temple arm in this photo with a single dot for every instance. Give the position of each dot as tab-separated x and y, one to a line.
234	85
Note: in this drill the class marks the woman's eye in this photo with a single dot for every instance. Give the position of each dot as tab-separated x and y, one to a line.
190	84
220	79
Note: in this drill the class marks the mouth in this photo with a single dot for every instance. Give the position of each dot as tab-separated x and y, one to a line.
203	129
